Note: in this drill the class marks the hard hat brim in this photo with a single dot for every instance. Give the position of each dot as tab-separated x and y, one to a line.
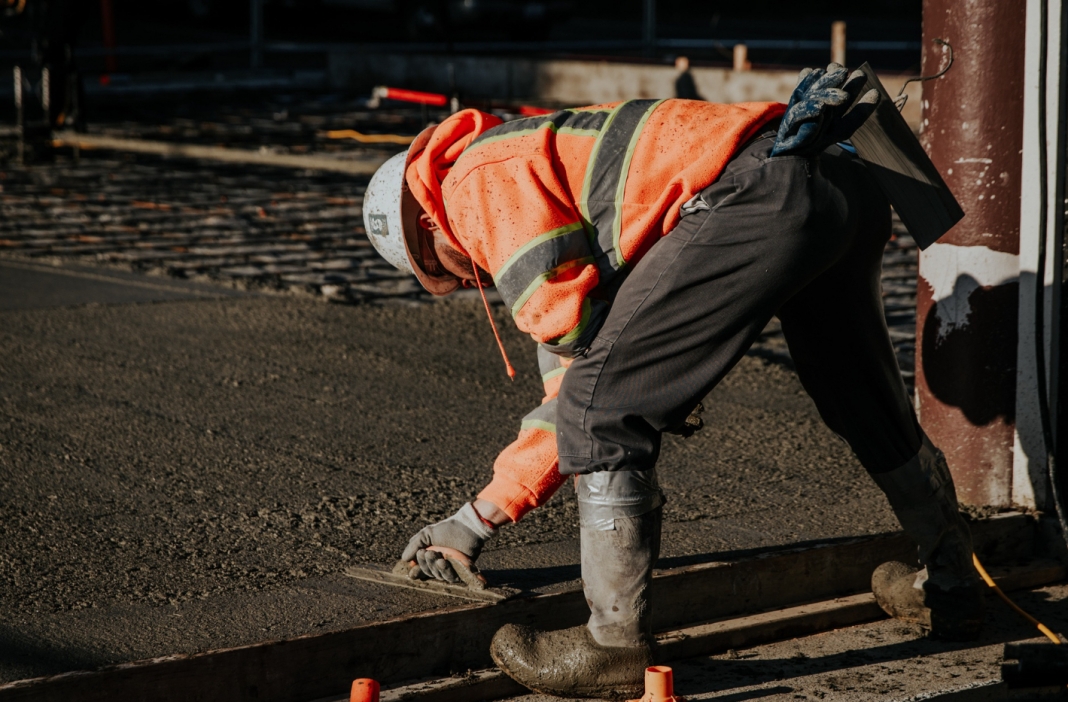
410	211
434	284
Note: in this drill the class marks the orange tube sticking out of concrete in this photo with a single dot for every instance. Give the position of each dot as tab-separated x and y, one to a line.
364	690
659	685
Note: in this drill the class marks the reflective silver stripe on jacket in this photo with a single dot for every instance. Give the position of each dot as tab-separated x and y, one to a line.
544	418
549	364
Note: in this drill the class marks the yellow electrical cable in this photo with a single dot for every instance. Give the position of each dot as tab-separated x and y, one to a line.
369	138
990	581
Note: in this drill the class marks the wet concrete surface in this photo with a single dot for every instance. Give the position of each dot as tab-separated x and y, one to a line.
182	475
884	661
28	285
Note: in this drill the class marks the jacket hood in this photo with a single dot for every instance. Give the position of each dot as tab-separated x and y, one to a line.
429	169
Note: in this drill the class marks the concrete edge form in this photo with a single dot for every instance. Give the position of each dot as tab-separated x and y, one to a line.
712	638
218	153
436	643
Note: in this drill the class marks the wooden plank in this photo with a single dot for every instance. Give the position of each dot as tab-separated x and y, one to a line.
219	153
788	623
457	639
784	577
904	171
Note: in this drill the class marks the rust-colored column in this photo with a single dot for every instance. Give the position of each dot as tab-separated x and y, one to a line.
967	297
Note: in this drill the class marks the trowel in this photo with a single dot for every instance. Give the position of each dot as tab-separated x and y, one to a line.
473	585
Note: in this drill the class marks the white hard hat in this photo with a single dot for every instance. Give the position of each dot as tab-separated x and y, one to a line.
383	219
390	214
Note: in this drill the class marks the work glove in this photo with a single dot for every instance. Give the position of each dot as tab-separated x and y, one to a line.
825	108
464	531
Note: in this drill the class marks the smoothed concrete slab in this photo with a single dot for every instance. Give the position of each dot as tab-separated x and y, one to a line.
26	285
174	476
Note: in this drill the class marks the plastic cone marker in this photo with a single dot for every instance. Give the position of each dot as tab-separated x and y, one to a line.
659	685
364	690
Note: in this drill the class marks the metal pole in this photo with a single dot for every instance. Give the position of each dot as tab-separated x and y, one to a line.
1030	485
256	33
968	288
649	27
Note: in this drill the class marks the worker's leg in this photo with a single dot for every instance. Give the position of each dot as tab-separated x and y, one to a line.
840	345
681	320
619	515
695	303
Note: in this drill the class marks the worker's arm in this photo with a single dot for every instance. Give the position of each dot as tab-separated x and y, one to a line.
526	474
515	219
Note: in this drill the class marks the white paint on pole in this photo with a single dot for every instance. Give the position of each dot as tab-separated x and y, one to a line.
955	272
1030	483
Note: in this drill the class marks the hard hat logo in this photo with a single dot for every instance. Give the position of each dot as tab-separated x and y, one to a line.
377	226
390	218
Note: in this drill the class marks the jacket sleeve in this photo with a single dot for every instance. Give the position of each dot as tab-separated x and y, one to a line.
526	474
516	219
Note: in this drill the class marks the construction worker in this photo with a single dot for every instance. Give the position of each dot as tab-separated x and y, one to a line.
645	245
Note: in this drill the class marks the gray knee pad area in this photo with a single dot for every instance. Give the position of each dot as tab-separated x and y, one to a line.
609	495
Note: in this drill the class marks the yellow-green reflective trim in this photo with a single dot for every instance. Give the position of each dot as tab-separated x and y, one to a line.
587	179
551	126
537	424
536	283
575	131
617	222
510	135
551	234
574	333
552	374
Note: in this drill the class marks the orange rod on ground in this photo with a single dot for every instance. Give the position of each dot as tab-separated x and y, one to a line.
369	138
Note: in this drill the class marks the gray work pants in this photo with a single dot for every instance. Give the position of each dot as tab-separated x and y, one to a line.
795	237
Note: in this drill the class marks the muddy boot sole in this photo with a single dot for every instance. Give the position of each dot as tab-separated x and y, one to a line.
952	615
569	663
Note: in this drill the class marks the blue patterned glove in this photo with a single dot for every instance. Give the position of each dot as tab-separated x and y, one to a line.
824	109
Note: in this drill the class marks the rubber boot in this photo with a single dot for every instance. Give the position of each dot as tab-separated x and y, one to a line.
607	657
945	597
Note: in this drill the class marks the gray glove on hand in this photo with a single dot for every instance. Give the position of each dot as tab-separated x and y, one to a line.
463	531
825	108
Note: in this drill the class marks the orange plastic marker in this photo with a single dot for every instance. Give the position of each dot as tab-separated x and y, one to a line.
364	690
659	685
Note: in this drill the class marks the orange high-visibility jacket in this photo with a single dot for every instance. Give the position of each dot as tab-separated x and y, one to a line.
555	208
